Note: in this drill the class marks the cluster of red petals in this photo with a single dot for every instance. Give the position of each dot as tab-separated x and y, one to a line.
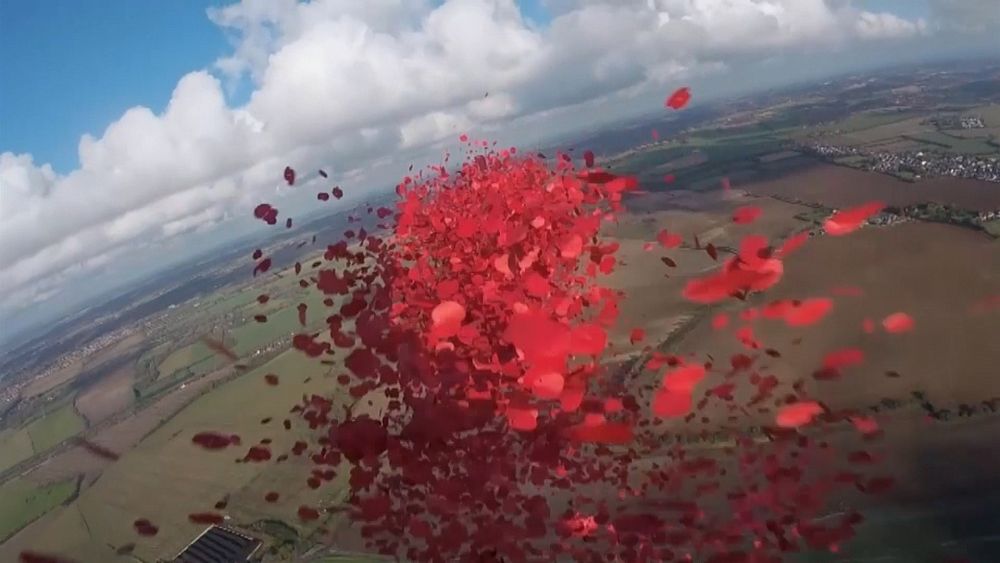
476	316
482	320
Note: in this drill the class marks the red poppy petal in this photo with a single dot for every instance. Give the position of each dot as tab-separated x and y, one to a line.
798	414
898	322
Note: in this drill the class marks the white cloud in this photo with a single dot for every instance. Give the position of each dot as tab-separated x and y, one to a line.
22	180
871	25
351	83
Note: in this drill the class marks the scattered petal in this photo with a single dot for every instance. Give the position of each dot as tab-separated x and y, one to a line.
637	335
603	433
671	404
865	424
798	414
669	240
144	527
846	357
898	322
808	312
850	220
678	99
746	214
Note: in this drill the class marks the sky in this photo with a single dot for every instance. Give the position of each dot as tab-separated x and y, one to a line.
137	133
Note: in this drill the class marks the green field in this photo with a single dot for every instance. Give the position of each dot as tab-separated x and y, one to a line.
22	501
992	227
720	147
868	120
228	303
149	361
953	144
990	115
197	357
52	428
908	131
283	323
853	160
15	446
283	320
166	477
885	132
735	155
245	300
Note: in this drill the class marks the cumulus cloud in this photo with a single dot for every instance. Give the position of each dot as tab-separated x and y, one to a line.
23	181
871	25
355	81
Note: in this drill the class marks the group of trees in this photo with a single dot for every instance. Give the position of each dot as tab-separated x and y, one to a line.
962	410
940	213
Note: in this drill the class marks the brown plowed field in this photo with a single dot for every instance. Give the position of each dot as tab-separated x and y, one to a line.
838	186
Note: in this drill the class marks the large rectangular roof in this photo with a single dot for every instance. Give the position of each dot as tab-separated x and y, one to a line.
218	544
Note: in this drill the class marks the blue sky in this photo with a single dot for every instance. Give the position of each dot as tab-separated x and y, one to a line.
535	11
108	60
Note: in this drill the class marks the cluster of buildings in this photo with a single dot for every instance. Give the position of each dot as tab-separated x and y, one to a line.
832	151
972	122
88	349
886	219
9	394
932	164
920	163
958	122
18	380
220	544
280	344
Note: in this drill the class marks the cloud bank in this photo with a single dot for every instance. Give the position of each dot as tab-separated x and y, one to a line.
355	83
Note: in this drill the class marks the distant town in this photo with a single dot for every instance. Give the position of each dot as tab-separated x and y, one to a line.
11	393
918	164
958	122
